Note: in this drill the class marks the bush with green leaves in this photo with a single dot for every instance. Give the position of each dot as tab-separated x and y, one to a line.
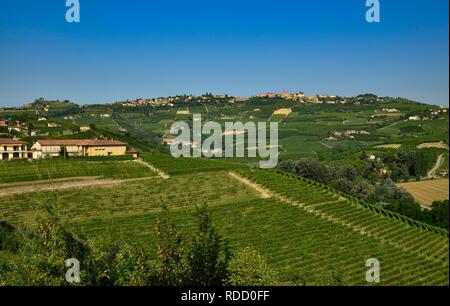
249	268
365	185
40	255
8	237
40	260
208	255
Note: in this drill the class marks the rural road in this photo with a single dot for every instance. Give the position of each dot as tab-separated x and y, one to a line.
390	125
39	186
263	192
161	173
432	172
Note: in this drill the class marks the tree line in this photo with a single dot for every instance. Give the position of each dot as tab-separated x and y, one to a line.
361	182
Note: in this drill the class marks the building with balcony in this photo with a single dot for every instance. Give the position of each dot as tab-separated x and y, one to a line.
13	149
78	147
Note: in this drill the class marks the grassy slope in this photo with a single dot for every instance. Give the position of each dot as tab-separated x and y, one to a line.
326	240
300	246
187	165
59	168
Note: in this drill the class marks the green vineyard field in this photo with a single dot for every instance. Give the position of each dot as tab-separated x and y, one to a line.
309	233
19	171
184	165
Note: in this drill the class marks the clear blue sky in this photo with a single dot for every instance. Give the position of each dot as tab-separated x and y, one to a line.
136	48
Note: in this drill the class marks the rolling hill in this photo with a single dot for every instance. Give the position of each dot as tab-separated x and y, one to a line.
309	233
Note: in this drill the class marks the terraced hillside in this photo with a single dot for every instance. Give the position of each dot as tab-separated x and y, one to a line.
132	197
18	171
302	247
304	132
422	240
182	165
308	233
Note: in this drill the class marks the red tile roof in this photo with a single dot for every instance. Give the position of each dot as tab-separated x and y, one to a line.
132	150
80	142
11	141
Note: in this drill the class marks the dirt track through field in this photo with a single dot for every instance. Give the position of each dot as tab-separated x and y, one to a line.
361	229
439	161
388	126
48	181
57	186
263	192
153	168
61	184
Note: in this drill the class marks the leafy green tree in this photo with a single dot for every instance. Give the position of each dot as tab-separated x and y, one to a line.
171	269
363	190
439	213
311	169
348	172
286	165
208	255
249	268
363	155
8	237
40	255
43	252
343	185
115	263
407	208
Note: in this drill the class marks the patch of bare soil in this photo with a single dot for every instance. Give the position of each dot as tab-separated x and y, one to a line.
57	186
263	192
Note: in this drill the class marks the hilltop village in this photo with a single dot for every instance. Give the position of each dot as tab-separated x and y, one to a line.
46	128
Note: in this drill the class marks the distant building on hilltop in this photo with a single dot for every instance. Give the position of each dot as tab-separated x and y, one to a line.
313	99
266	95
284	94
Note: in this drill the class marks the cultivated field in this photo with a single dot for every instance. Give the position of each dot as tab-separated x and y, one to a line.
389	146
426	192
437	145
61	168
309	234
130	197
388	115
183	112
172	166
302	126
282	111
